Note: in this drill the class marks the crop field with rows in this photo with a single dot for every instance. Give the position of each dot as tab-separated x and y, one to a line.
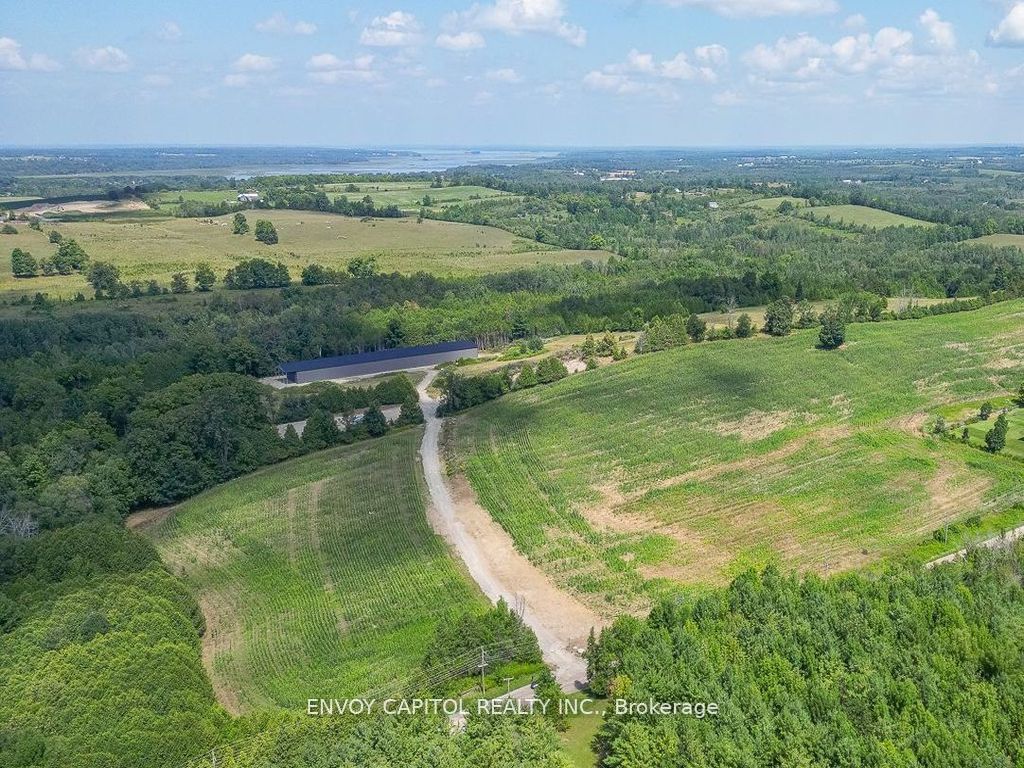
317	577
683	468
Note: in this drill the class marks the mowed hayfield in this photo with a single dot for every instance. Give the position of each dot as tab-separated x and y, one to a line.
155	248
317	577
1001	241
683	468
863	216
773	203
406	195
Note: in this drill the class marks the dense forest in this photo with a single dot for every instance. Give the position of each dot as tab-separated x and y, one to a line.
910	668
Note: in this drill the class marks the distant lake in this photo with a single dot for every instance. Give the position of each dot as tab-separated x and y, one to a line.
403	161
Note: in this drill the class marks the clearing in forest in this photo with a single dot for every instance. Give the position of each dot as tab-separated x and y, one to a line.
153	247
863	216
688	466
317	577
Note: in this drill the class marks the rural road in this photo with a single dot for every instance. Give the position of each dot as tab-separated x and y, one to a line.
560	623
996	541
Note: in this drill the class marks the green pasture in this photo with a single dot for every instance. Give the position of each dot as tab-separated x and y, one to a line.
683	468
147	247
317	577
860	215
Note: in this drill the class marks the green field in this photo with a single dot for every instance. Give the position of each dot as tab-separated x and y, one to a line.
1014	436
773	203
686	467
318	577
1001	241
862	216
406	195
155	248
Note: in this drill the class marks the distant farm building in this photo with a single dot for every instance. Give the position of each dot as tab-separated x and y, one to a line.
249	197
382	361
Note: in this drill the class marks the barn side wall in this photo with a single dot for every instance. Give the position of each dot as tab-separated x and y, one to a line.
382	366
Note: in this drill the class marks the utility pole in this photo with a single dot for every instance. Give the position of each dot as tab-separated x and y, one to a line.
483	664
508	686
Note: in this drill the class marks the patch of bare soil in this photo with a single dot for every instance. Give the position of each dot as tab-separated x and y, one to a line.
756	425
951	492
912	424
146	519
1003	364
556	609
223	636
88	206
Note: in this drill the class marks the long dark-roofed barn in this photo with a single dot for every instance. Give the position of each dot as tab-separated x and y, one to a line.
381	361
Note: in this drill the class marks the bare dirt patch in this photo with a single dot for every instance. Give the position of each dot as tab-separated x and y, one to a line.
756	425
146	519
912	424
223	636
87	206
952	490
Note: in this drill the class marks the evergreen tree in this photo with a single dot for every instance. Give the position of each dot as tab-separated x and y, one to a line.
179	283
696	328
321	430
744	326
239	225
778	318
995	439
291	442
833	330
410	413
527	377
375	423
205	278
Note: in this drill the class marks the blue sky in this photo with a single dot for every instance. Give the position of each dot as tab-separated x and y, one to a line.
514	72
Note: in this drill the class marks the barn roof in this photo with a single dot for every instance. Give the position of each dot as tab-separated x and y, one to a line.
398	353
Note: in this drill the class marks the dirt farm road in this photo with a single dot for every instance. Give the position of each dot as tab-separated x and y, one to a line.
560	622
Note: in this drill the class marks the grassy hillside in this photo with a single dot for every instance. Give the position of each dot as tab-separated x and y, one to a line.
687	467
320	576
861	215
151	247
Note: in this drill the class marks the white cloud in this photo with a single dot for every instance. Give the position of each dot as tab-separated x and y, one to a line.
170	31
460	41
279	24
10	54
11	57
105	59
505	75
517	17
940	33
756	8
887	62
328	69
236	80
253	62
483	97
642	72
397	29
715	55
1010	31
42	63
856	22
